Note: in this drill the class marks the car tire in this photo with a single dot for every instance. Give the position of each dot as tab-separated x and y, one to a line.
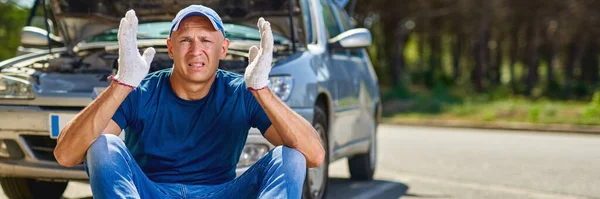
362	166
23	188
320	124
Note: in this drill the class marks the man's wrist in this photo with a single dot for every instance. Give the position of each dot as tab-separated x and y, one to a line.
256	89
115	79
121	88
261	93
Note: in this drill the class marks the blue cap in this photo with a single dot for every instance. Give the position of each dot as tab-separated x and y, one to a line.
198	10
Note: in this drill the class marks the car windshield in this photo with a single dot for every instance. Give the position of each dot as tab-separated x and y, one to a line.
160	30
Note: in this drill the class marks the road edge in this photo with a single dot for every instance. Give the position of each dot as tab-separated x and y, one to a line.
563	128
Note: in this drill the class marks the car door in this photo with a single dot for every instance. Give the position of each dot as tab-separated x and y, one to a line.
344	95
360	84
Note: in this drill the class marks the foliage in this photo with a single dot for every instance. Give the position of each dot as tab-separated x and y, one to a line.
518	109
592	111
535	49
13	19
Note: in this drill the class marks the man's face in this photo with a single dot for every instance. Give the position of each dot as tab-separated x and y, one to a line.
196	48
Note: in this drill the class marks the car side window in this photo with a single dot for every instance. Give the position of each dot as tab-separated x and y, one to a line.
344	18
333	28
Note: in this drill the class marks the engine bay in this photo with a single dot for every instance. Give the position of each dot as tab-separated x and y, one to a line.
106	62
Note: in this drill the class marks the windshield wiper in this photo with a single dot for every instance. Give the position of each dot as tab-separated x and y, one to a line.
292	28
47	26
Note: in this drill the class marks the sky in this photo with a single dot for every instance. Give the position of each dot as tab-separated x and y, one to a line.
23	3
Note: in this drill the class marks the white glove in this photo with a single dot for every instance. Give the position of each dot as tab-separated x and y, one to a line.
257	72
133	68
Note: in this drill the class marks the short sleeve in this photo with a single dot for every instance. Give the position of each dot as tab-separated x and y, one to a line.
126	111
257	116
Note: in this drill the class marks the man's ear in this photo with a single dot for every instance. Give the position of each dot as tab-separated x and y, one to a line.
224	48
170	48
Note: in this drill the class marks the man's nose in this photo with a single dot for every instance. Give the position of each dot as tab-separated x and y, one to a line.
197	49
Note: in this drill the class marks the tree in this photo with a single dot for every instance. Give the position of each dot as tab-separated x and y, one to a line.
560	35
13	19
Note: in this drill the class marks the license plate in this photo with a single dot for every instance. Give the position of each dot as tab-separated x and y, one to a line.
58	121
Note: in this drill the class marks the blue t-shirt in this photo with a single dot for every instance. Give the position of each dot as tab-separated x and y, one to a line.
193	142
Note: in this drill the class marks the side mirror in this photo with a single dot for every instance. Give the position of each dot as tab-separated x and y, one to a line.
354	38
34	36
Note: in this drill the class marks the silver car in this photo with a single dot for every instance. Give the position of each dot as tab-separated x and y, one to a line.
321	70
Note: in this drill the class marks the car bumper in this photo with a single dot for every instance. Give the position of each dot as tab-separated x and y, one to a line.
34	166
36	158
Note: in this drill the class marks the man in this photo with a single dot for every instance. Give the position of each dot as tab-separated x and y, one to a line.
187	126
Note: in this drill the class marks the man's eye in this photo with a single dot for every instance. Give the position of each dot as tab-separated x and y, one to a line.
185	40
206	41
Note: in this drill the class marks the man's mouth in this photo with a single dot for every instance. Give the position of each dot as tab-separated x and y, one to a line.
196	65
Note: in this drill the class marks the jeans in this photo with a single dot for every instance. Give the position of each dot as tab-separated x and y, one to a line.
114	173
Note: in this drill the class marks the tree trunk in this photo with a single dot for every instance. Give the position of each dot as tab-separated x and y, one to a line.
594	66
434	68
481	51
514	53
549	54
398	67
456	48
589	65
421	53
495	72
550	61
532	58
575	52
388	51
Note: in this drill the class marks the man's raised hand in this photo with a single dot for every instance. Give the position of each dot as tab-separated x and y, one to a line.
133	67
257	72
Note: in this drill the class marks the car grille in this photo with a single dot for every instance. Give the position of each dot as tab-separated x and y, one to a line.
41	146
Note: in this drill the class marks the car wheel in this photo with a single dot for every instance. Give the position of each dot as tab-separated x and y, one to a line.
362	166
315	184
18	188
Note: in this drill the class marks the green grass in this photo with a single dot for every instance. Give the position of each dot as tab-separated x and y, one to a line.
515	110
497	107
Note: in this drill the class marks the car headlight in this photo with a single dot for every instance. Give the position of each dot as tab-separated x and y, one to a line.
15	87
281	86
251	154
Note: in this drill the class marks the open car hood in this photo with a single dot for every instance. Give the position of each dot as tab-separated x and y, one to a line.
81	19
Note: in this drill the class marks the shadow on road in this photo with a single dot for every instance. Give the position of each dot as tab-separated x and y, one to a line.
346	188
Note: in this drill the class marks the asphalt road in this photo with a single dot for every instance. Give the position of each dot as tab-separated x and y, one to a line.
422	162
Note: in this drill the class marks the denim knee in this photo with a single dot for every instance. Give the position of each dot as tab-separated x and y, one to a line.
105	148
292	160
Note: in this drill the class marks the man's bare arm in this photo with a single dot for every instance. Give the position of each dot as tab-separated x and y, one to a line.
86	127
288	128
292	129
